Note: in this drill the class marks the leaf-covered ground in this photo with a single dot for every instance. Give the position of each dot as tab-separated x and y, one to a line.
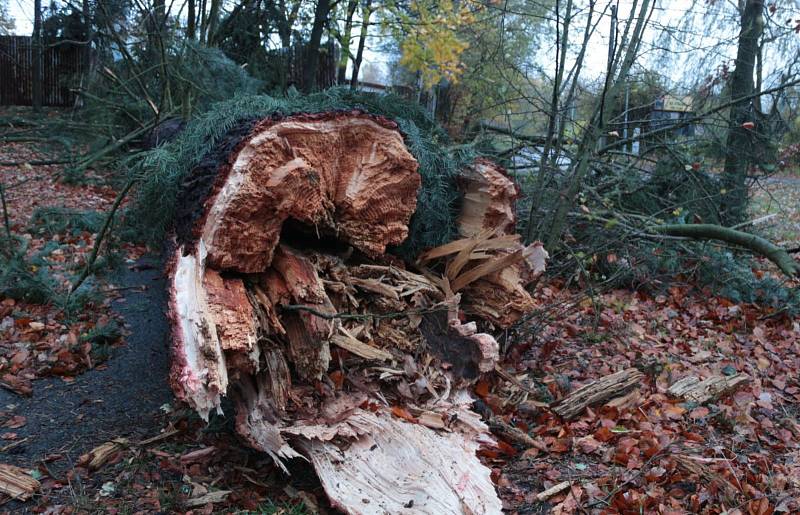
778	199
644	453
43	331
651	453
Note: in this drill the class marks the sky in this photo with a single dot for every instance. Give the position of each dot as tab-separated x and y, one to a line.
668	12
22	12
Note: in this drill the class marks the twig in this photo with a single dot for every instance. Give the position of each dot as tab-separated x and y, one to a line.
641	471
357	316
15	444
44	162
100	237
6	222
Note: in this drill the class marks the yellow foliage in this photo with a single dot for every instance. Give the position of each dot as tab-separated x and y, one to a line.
432	45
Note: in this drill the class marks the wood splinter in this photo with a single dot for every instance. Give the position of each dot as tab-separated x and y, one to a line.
597	392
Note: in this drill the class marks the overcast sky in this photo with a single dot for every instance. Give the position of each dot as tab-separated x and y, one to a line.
22	12
668	12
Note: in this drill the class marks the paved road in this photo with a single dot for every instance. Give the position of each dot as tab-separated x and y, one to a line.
123	399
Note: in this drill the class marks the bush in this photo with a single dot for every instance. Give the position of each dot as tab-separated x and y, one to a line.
49	221
23	281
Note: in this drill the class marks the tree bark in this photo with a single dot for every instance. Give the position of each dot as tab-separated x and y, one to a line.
344	42
213	20
311	61
37	56
598	392
692	389
739	143
270	304
366	12
751	242
190	20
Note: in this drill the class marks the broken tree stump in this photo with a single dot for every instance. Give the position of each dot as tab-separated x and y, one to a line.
490	265
282	297
692	389
597	392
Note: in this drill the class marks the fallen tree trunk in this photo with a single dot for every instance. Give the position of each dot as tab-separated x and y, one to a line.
282	296
751	242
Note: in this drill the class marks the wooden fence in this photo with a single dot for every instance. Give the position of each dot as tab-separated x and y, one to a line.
62	64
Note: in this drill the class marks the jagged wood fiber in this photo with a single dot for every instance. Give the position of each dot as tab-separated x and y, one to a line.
163	171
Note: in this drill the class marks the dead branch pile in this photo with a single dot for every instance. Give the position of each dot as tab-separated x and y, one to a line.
282	296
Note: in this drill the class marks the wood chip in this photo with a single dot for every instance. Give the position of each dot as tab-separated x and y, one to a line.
692	389
100	455
486	268
163	436
597	392
17	482
553	490
360	348
209	498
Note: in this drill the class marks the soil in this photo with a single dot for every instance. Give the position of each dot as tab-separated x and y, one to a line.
123	398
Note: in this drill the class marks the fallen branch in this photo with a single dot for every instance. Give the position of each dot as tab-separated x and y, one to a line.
751	242
100	236
6	222
692	389
43	162
597	392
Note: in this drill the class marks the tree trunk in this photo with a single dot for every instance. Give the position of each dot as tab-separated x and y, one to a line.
739	144
37	56
88	29
366	12
344	42
213	20
190	20
156	21
203	21
751	242
311	61
282	296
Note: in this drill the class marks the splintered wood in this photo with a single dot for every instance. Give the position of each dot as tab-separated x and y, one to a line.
17	482
597	392
281	297
692	389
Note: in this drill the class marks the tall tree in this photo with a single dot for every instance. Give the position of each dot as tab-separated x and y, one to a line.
739	145
284	17
366	13
37	56
190	19
88	32
213	20
311	61
344	41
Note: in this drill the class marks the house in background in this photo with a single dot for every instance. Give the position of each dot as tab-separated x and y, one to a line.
669	110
